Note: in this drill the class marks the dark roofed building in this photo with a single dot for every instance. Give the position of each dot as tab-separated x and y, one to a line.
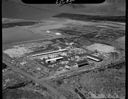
82	63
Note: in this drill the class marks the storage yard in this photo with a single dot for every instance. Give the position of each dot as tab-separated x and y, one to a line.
50	64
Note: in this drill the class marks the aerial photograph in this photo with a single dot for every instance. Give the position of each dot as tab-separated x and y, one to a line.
68	51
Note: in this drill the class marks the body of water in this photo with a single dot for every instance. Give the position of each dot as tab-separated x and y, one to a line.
17	34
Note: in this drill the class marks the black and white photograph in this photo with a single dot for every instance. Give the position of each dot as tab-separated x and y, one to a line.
66	49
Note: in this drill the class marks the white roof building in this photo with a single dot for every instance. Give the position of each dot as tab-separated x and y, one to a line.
48	31
53	59
58	33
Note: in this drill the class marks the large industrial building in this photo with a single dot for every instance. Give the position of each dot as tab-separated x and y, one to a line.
53	60
94	58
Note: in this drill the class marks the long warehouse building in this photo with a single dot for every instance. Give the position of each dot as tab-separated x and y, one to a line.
94	58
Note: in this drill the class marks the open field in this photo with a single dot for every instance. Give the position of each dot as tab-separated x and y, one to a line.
18	93
119	43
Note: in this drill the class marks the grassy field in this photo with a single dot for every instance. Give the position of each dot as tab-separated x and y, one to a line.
98	83
22	94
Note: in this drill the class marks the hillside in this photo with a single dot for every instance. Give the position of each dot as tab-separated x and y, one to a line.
84	17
